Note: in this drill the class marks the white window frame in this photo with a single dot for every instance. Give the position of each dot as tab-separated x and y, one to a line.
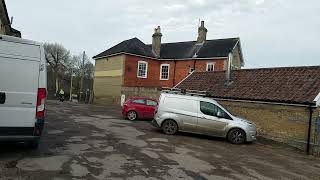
146	74
208	64
161	71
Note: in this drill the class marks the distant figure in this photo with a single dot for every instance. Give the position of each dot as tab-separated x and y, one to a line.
61	95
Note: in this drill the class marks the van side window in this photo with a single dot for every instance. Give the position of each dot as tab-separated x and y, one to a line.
213	110
138	101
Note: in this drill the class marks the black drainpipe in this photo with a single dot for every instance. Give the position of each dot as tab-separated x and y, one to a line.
174	73
194	65
309	129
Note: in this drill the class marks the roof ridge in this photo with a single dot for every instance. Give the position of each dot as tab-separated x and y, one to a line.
281	67
177	42
268	68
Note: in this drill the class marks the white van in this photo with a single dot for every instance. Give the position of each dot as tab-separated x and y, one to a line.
23	89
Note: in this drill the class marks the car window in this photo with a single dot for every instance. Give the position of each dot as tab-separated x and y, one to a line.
213	110
151	103
138	101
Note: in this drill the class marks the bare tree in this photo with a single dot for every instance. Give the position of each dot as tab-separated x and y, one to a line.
83	70
58	58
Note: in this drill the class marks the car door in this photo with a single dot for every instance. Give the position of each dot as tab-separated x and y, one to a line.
139	106
211	119
150	108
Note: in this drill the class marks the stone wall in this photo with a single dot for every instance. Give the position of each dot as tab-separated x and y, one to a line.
153	92
108	79
236	63
2	27
283	123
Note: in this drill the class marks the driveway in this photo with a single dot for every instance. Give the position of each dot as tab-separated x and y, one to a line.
95	142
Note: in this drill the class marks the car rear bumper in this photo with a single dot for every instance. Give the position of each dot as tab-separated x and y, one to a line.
124	113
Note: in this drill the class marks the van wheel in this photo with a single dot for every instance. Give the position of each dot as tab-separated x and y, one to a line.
132	115
169	127
237	136
34	144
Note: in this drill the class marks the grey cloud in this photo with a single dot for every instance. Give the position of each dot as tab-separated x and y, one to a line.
273	33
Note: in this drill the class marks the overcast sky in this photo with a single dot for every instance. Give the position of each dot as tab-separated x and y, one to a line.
273	32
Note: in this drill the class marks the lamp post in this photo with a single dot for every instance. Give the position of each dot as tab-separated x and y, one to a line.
70	98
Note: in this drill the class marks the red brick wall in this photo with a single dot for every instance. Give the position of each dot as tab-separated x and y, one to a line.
179	69
183	67
130	72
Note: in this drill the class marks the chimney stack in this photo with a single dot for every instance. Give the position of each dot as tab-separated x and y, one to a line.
228	80
156	41
202	33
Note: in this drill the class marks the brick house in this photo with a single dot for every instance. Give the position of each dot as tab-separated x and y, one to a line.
5	24
134	68
280	101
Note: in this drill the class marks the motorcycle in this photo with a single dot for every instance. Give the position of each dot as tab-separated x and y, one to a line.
61	98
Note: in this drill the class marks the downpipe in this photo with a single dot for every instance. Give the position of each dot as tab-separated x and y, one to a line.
309	129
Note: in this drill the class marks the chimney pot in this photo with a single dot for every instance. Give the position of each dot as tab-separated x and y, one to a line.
202	23
202	33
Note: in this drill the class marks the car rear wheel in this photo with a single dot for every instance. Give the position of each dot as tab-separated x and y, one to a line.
237	136
170	127
132	115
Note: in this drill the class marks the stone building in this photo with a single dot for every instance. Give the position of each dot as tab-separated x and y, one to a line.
5	24
133	68
282	102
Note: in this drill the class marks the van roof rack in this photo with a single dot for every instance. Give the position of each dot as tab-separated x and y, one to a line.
184	91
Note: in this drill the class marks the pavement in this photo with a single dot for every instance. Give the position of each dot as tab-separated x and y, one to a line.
94	142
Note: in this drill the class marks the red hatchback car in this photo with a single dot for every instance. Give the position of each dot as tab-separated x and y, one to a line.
139	107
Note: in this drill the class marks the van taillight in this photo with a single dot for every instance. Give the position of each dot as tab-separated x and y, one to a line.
41	98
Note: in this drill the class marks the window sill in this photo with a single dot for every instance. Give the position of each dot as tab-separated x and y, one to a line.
140	77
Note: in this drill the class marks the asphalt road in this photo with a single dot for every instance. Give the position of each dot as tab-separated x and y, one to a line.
95	142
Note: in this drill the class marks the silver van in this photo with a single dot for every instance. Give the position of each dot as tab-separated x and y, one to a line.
201	115
23	89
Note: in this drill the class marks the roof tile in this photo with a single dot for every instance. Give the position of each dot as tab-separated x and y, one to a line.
287	84
177	50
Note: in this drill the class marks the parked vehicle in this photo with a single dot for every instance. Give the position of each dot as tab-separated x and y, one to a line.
202	115
139	107
23	89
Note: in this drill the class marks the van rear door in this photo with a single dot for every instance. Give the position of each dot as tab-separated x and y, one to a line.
19	81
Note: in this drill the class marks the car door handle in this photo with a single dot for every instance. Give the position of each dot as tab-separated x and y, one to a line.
2	97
